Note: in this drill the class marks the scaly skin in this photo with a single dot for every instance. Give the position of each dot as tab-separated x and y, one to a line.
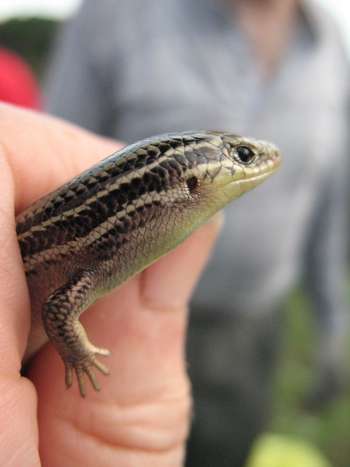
115	219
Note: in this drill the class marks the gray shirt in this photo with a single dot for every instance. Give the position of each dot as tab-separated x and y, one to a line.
135	68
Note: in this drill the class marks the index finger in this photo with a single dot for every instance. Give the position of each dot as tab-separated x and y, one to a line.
36	155
45	152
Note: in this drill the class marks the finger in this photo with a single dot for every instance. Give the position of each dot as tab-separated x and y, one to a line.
18	435
44	152
146	400
26	174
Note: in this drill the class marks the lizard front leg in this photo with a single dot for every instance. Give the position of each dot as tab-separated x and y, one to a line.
60	315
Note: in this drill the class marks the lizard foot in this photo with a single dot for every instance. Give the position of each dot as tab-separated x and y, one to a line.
86	367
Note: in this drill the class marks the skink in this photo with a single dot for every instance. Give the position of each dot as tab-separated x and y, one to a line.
115	219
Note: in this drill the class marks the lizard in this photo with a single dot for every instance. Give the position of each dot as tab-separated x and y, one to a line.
118	217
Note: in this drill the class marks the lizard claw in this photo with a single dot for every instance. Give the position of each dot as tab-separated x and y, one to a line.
85	367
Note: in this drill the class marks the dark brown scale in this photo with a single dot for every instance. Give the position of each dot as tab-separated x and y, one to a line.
80	189
77	226
174	143
38	243
173	167
24	247
152	153
160	172
121	230
105	247
100	209
164	146
137	185
89	183
25	225
112	202
148	179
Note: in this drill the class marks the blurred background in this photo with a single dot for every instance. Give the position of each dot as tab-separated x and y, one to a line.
298	432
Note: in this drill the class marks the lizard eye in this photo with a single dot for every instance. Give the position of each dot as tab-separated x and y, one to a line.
244	154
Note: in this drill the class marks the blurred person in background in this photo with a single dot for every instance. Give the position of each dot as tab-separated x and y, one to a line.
17	82
273	69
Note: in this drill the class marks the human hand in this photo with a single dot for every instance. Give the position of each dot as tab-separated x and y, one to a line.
141	416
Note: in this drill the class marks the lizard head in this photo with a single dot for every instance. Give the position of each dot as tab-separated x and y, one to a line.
226	166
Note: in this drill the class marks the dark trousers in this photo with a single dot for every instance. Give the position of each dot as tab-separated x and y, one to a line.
231	361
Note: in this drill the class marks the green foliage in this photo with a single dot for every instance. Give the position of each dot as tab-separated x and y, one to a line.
31	38
327	429
285	451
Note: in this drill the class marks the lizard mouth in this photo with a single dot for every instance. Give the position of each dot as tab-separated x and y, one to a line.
255	179
236	188
258	178
265	173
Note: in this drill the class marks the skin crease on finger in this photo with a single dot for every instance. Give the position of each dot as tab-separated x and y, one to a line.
141	416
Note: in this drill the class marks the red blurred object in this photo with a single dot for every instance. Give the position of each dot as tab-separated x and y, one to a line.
17	82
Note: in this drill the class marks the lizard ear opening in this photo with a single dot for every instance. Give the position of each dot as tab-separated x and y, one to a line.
192	184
